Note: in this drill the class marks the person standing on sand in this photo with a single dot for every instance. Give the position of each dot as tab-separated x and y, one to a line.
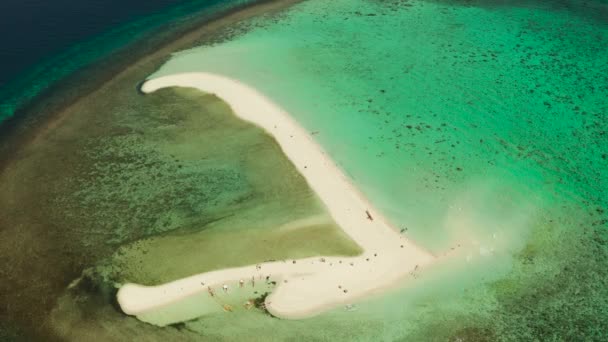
210	290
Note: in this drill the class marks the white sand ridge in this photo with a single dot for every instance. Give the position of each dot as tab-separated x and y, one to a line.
305	287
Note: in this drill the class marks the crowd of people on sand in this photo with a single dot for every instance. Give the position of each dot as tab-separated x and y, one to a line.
251	302
225	288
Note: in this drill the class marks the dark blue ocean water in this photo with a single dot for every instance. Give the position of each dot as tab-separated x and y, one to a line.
32	30
45	41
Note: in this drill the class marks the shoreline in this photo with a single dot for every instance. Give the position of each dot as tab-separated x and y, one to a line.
61	103
45	109
310	286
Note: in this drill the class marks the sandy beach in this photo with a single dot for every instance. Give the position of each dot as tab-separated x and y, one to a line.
304	287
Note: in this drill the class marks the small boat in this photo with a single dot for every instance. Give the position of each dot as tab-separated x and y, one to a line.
350	307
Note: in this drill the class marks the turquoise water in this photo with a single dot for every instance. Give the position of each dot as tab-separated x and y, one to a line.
480	125
429	105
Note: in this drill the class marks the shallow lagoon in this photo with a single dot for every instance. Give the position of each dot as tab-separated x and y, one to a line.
423	102
479	125
475	125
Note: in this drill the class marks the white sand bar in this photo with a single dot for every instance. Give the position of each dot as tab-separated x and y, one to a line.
308	286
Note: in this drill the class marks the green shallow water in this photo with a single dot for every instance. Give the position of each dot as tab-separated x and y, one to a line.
472	125
421	102
475	126
58	67
120	187
147	189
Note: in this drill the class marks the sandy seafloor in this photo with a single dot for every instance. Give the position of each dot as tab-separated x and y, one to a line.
474	125
479	124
